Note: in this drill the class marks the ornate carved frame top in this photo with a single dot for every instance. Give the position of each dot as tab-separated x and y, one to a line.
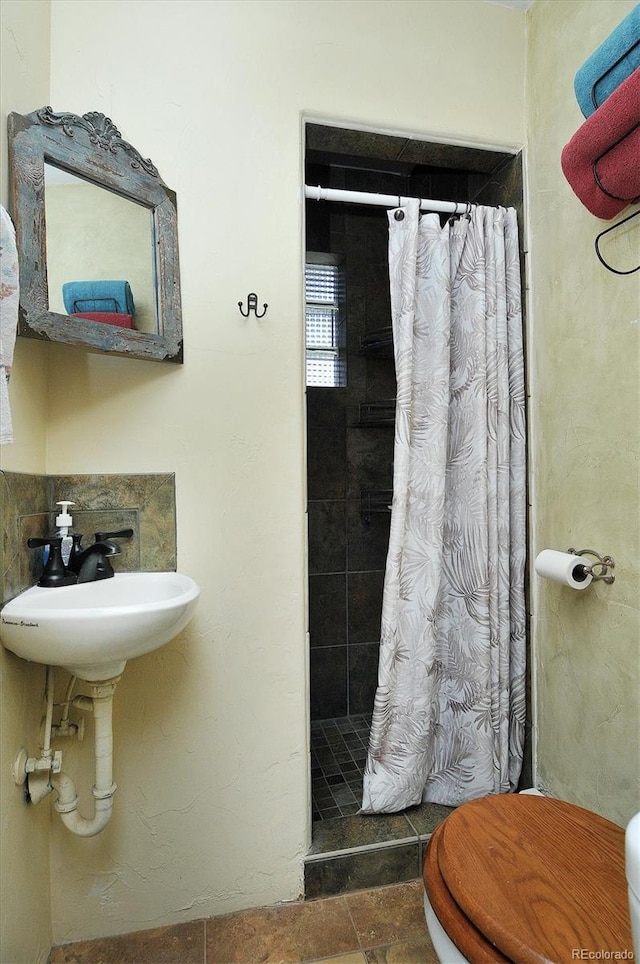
92	148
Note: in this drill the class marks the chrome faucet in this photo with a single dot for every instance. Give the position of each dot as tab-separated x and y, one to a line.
85	565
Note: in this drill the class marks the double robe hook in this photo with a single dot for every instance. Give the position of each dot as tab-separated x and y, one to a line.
252	306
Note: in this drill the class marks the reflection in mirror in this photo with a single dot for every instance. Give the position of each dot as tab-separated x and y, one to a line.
96	235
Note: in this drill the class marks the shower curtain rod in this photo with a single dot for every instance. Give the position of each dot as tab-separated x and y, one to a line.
382	200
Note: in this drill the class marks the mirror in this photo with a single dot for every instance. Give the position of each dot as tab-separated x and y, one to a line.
96	229
93	233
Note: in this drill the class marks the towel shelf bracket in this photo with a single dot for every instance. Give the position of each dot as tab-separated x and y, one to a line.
606	231
594	167
610	68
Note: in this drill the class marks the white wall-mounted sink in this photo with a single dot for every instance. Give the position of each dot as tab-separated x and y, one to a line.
92	629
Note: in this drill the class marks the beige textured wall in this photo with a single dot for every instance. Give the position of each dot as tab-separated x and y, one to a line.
25	916
585	372
212	811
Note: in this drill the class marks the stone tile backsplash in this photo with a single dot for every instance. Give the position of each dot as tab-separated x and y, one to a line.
107	503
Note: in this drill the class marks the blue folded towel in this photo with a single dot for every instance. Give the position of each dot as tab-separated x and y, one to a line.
114	296
612	62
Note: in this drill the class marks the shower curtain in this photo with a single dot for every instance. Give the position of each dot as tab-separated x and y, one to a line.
449	711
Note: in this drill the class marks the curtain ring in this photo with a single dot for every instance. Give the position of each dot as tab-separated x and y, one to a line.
462	214
399	215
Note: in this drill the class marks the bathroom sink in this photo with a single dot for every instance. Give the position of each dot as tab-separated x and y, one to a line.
92	629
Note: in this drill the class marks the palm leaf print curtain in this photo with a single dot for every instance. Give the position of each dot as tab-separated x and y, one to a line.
449	712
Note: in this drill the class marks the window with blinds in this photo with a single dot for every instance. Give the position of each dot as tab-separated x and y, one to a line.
324	322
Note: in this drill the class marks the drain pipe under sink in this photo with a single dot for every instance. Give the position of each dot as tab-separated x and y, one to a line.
67	803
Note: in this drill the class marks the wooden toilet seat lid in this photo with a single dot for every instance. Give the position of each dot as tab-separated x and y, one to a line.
537	877
467	938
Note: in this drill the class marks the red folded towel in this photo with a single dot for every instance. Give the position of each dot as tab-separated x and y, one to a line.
106	318
608	134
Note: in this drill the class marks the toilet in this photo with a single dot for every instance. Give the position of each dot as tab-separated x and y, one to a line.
527	878
632	858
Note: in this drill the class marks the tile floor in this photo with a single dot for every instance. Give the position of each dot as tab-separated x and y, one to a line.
379	925
338	755
384	925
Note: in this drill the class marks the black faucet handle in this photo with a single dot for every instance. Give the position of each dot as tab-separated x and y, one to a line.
76	549
55	573
39	543
120	534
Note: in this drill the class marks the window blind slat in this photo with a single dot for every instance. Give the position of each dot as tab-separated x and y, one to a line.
321	284
325	365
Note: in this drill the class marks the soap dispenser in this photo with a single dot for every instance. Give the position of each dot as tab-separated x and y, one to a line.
63	525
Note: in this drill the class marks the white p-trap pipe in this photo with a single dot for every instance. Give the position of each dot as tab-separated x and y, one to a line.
104	789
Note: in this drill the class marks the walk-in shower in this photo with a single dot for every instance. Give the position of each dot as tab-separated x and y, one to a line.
350	425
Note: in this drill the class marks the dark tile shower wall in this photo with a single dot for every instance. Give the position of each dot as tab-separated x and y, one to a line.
347	552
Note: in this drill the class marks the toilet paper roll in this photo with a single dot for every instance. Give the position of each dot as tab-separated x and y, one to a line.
563	567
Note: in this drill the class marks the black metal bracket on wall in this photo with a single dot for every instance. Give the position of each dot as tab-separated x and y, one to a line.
252	305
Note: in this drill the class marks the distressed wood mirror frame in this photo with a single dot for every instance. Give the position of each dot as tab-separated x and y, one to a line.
91	148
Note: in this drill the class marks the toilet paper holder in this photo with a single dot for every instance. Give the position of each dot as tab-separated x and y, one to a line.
598	570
